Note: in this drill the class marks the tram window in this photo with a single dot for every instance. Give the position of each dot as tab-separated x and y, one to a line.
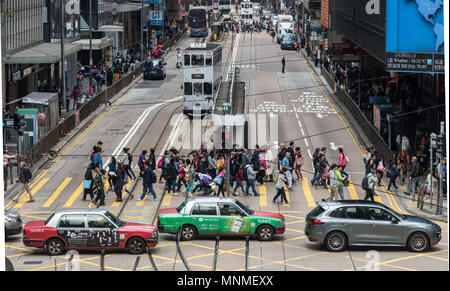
188	88
207	88
208	61
187	60
198	88
198	60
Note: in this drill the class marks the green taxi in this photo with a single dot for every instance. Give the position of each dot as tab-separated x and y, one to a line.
212	216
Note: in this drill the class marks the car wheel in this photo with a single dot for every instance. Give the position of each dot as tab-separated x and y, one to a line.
265	233
336	241
55	247
418	242
188	232
136	245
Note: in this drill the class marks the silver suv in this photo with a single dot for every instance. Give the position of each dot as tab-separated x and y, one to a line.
338	224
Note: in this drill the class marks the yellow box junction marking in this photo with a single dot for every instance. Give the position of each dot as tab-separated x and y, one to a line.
33	191
263	196
74	196
307	192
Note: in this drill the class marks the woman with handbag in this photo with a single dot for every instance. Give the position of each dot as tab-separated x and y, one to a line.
88	183
342	162
298	163
112	173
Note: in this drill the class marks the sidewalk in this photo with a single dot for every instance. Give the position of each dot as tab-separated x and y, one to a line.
406	201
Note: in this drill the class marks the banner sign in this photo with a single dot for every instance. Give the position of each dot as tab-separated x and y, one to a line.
415	62
155	18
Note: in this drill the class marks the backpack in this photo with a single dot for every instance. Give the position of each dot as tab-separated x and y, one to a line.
244	173
130	158
154	178
365	183
160	162
92	156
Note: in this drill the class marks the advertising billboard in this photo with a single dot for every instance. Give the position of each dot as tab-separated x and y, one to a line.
415	36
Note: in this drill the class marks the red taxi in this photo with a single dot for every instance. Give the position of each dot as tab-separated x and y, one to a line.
79	229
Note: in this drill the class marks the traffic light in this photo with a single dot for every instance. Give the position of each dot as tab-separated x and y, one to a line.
19	123
441	144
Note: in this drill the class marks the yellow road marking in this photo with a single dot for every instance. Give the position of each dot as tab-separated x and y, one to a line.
57	192
287	197
20	196
377	198
262	196
34	217
352	191
393	199
297	221
167	199
307	192
412	257
438	258
33	191
294	230
17	248
74	196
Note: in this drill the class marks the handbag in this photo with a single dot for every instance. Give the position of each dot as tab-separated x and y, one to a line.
87	184
299	162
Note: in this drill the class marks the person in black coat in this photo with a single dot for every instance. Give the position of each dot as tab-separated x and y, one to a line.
172	174
120	181
88	176
152	158
203	166
147	182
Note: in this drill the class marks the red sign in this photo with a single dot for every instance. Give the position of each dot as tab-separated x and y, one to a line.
324	13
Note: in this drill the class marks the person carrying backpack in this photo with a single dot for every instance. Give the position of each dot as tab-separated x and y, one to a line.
126	162
149	178
281	182
368	184
251	176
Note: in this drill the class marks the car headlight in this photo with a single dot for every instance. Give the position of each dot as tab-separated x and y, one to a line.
155	234
9	219
282	222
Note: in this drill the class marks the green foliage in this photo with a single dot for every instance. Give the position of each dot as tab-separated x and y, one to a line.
5	15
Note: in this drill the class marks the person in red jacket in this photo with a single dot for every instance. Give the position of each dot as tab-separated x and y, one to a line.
239	180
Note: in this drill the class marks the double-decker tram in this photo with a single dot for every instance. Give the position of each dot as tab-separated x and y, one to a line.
198	24
247	12
202	74
225	6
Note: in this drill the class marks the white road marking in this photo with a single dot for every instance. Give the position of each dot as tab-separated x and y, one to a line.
299	124
303	133
173	134
137	125
306	142
309	153
296	115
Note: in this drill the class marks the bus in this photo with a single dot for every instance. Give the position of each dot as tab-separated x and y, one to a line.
208	4
225	6
202	74
247	12
198	24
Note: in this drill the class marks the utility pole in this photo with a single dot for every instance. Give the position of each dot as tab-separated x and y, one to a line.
63	73
142	31
90	45
441	155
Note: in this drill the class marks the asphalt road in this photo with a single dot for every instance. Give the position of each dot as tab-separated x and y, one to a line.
141	120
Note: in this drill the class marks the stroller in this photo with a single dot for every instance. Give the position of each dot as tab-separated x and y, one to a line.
202	182
323	178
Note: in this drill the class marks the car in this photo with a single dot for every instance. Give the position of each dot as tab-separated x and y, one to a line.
13	223
289	41
154	69
339	224
212	216
94	228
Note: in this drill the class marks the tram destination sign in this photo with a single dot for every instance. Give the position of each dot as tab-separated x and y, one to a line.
415	62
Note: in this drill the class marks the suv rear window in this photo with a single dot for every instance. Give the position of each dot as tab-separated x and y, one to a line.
317	211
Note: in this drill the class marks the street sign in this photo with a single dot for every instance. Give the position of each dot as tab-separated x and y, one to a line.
226	107
155	17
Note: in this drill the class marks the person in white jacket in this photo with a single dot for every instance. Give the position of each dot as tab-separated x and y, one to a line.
372	181
281	182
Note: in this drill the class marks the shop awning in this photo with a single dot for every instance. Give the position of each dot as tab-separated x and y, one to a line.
45	53
129	6
97	44
111	28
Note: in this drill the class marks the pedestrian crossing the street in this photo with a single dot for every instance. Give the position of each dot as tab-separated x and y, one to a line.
64	195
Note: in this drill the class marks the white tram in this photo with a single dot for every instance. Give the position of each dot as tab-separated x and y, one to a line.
202	74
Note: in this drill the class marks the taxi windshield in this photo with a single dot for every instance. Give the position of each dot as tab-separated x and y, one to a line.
245	208
49	218
114	219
